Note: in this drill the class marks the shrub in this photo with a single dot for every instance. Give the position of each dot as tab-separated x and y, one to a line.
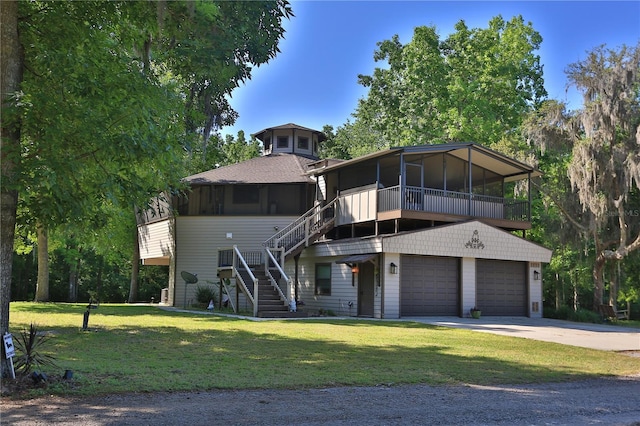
585	315
31	342
205	293
562	313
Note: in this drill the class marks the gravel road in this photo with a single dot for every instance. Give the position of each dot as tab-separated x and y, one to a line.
607	401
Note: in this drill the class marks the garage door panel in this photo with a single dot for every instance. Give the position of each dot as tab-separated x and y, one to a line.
501	287
429	286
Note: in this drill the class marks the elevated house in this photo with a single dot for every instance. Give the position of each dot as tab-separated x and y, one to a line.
407	231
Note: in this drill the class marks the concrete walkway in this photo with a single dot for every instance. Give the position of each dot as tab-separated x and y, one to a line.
595	336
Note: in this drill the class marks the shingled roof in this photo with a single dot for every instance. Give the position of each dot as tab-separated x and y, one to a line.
273	168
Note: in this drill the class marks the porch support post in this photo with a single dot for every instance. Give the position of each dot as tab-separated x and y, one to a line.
529	196
403	181
470	170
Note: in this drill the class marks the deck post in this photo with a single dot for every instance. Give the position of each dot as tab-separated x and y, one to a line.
529	195
470	172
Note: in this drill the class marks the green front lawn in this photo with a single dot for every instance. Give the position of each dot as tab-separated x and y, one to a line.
146	349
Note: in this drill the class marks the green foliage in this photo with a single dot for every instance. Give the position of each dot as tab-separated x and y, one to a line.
568	314
585	315
590	157
114	95
476	85
30	347
205	293
108	279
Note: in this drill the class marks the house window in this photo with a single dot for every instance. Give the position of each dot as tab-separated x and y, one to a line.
283	141
246	194
323	279
303	143
267	143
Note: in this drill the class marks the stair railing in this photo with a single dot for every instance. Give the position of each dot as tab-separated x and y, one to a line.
302	229
252	296
228	291
269	258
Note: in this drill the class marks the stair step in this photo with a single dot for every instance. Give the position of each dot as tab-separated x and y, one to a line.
274	305
270	299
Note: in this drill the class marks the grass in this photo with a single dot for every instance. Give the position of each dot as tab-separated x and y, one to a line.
145	349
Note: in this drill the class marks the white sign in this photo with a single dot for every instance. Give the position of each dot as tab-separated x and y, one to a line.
9	350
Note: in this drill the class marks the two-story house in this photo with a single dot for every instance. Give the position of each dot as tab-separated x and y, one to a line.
407	231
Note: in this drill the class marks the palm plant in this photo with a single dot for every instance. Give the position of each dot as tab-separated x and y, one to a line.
30	344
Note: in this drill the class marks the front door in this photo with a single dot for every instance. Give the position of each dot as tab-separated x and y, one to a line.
366	289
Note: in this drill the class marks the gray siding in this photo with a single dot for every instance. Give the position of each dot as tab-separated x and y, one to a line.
342	292
198	239
155	240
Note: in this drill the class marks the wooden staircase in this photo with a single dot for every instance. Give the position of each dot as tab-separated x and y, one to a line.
305	230
270	303
271	300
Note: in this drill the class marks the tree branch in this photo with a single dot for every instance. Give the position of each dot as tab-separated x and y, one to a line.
560	207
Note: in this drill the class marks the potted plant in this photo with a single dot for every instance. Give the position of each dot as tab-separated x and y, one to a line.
475	312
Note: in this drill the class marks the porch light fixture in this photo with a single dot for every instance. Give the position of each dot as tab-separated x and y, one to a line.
393	268
536	275
355	269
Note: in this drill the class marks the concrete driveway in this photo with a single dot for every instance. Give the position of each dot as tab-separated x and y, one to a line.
595	336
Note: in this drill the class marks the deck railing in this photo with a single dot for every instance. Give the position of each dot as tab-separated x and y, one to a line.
451	202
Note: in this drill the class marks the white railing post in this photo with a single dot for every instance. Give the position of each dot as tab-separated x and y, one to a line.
306	232
234	261
255	297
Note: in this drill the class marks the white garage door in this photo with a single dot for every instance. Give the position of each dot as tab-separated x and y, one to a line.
429	286
501	287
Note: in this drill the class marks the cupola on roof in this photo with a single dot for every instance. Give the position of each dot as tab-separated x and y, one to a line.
290	139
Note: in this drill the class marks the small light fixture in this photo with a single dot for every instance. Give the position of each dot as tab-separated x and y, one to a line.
393	268
355	269
536	275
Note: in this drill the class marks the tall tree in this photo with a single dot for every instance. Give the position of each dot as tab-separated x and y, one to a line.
11	71
100	119
603	139
476	85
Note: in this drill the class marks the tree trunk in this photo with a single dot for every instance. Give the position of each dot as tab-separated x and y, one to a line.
598	281
613	286
74	275
11	69
99	280
135	269
42	286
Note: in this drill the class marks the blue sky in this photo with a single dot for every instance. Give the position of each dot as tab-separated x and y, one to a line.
313	81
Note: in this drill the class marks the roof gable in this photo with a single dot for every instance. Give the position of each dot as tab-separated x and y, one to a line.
468	239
